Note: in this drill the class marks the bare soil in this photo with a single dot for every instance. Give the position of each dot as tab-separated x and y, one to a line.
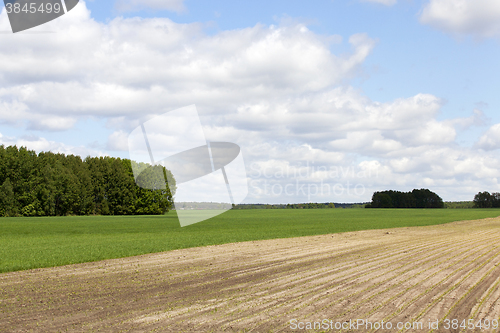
404	275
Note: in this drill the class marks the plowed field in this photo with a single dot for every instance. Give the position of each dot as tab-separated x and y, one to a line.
405	276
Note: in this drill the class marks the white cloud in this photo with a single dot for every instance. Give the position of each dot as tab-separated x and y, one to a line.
277	91
403	142
478	118
383	2
154	65
118	141
52	123
133	5
40	144
479	18
491	139
344	120
13	112
432	133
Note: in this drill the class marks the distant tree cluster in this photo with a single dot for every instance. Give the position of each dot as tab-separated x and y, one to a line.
311	205
487	200
202	205
422	198
51	184
287	206
459	204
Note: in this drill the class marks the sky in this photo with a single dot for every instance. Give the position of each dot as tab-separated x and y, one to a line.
328	100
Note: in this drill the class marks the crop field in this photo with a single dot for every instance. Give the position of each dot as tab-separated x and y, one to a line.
27	243
437	278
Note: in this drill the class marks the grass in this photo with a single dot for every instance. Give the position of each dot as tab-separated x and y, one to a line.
27	243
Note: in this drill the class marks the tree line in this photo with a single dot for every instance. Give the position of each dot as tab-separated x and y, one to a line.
310	205
49	184
459	204
422	198
487	200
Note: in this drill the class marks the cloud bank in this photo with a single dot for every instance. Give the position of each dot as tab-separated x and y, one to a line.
479	18
277	91
134	5
383	2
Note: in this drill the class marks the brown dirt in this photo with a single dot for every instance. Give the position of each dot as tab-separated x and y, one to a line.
402	275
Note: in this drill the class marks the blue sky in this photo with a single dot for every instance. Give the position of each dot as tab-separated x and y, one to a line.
405	89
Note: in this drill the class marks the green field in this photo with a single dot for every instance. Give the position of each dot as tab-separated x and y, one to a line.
36	242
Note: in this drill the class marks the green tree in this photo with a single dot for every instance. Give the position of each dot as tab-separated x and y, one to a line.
483	200
422	198
381	200
51	184
427	199
99	173
121	196
6	198
161	183
495	200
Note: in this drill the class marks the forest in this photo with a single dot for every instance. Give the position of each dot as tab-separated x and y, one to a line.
310	205
487	200
422	198
49	184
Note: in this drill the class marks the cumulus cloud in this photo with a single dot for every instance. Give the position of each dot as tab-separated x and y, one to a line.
133	5
343	119
479	18
383	2
118	141
491	139
154	65
478	118
41	144
15	113
51	123
277	91
401	144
